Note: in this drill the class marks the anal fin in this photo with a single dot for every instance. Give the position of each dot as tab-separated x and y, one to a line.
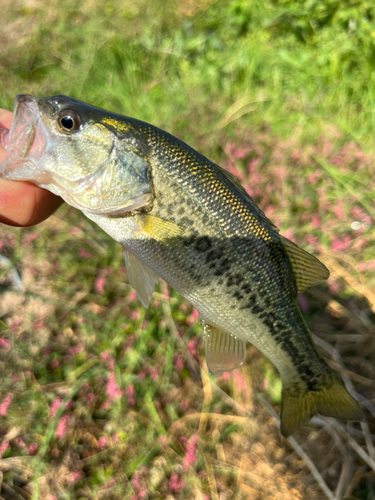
141	277
224	351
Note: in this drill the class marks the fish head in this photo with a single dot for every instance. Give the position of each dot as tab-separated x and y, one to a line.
89	157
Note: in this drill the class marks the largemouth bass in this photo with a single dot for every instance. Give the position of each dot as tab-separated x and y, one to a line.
184	219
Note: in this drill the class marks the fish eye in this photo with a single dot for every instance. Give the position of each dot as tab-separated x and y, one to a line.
69	121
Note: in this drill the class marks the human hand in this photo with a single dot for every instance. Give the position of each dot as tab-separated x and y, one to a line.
23	203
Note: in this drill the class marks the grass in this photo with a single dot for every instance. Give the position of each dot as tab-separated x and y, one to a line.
103	399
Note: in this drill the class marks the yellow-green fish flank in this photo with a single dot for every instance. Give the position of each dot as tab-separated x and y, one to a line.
184	219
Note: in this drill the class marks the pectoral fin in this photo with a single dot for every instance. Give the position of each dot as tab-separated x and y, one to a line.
141	277
224	351
157	228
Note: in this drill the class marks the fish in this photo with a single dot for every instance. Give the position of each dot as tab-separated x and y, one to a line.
184	219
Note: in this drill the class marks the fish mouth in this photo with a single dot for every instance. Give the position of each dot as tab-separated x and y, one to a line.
26	140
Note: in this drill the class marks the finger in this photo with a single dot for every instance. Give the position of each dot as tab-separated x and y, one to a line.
5	118
25	204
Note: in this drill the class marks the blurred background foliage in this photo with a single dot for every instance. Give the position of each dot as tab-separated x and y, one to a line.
101	399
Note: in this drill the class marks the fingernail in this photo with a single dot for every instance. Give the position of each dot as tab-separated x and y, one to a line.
4	136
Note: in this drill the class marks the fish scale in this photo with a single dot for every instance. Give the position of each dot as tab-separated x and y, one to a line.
184	219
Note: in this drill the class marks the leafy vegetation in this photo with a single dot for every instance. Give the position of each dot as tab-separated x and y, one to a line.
100	398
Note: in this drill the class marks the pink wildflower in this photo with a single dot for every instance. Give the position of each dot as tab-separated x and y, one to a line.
239	380
104	355
182	440
315	222
142	373
16	323
362	266
134	315
129	342
4	343
153	373
130	395
102	442
30	237
311	240
99	284
61	426
69	404
54	406
54	363
192	346
109	484
190	320
38	324
336	160
75	476
185	404
32	448
341	245
20	442
333	286
163	440
289	233
225	376
4	405
75	349
73	231
179	363
176	484
132	296
112	389
338	210
3	448
190	456
135	480
90	397
253	165
83	253
239	153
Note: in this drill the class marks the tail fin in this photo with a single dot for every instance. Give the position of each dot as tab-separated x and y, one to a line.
331	400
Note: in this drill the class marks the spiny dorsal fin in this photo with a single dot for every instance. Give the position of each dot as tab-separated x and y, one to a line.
307	269
141	277
224	351
236	183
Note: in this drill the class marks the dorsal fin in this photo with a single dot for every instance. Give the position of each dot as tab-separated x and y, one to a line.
236	183
224	351
141	277
307	269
